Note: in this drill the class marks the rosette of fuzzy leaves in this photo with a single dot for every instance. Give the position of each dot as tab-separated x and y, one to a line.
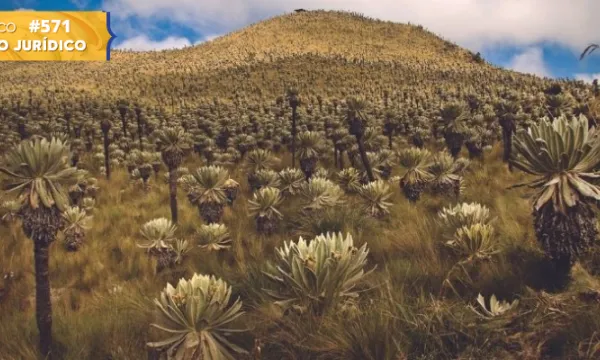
319	193
158	234
446	174
40	171
310	144
349	179
563	154
291	181
76	222
172	142
415	162
452	218
375	198
213	237
319	274
257	160
197	315
205	188
475	241
263	207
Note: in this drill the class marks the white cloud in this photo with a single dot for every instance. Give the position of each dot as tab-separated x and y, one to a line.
530	61
470	23
207	38
23	9
144	43
211	37
588	78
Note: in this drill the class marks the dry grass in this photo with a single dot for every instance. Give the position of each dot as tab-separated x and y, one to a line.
103	292
363	53
90	322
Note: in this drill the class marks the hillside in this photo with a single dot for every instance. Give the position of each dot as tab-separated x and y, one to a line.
352	182
375	54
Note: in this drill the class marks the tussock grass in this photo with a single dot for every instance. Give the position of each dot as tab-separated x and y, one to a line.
103	292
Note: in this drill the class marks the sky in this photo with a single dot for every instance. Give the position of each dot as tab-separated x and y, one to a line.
541	37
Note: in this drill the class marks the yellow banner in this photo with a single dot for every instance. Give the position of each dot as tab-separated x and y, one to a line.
55	36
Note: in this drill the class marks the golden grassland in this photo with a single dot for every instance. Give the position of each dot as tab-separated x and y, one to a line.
102	303
103	292
357	52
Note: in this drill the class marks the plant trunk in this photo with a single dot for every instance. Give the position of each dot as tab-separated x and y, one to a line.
43	306
335	157
211	212
74	239
294	137
364	158
507	142
231	193
352	158
153	354
417	141
140	132
266	225
454	143
106	155
475	151
565	237
308	166
173	194
124	123
412	190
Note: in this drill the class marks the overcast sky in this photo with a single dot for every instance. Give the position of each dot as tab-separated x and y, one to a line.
542	37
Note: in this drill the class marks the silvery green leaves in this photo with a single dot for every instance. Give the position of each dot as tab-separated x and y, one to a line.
206	190
467	230
197	314
206	185
213	237
474	241
290	181
319	193
259	159
564	155
172	142
496	308
76	217
264	209
317	274
349	179
76	222
463	214
40	171
375	198
265	203
415	162
446	174
160	241
158	233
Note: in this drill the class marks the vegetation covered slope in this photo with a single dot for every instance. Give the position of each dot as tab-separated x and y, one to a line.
345	178
367	53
